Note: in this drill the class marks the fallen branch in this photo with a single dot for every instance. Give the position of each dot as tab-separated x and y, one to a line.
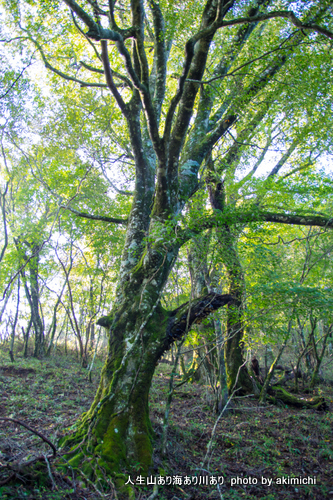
15	421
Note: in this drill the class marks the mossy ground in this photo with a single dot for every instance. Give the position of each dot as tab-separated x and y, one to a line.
250	441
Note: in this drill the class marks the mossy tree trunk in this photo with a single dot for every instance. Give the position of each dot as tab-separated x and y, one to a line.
236	372
203	279
116	431
319	356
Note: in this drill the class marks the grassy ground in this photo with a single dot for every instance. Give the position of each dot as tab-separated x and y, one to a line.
251	445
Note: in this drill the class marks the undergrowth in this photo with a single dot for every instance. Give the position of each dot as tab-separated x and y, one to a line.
252	445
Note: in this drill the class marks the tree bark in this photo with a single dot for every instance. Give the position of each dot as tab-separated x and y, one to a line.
117	430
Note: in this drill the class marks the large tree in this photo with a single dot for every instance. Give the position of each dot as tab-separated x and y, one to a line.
182	79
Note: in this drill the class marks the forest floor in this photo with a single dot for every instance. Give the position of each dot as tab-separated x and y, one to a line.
257	452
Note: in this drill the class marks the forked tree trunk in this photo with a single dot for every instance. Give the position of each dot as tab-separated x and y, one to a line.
32	291
121	432
117	429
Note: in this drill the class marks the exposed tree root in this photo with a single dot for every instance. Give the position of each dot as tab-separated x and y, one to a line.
276	393
280	394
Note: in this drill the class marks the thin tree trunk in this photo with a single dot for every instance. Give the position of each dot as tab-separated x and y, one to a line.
304	343
4	220
269	376
319	357
60	332
35	304
11	351
165	425
236	371
222	394
74	322
33	293
66	336
51	336
53	327
26	337
5	303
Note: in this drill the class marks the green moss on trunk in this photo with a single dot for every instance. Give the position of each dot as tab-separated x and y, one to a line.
115	437
316	403
236	372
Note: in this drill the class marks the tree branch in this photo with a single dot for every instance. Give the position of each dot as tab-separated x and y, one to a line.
81	13
211	17
109	79
247	63
138	23
63	75
114	73
275	170
301	220
95	217
19	422
235	151
14	82
120	191
97	32
143	68
218	218
245	98
189	53
160	56
286	14
85	36
194	312
189	165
